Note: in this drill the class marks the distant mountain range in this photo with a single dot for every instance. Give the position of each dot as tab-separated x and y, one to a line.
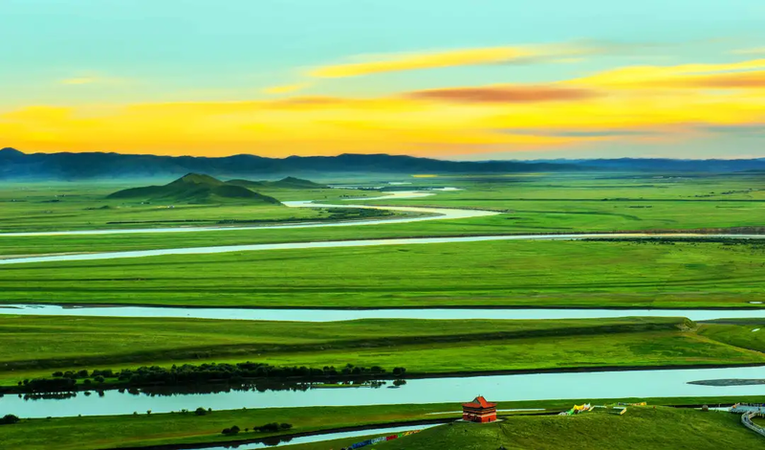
79	166
668	165
16	165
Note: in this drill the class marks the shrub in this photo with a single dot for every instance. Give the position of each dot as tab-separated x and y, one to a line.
9	419
285	426
268	428
231	431
200	411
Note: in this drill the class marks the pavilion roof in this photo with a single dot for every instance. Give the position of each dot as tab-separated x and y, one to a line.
479	402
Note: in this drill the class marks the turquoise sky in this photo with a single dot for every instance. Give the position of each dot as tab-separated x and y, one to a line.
152	51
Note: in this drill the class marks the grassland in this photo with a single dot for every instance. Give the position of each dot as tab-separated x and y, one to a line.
34	346
530	203
639	428
502	273
529	274
72	206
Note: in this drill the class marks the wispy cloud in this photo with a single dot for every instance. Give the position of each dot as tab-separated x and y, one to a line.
756	129
398	62
504	94
741	74
90	79
750	51
79	80
582	133
286	88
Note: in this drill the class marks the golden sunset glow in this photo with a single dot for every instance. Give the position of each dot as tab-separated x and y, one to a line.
636	103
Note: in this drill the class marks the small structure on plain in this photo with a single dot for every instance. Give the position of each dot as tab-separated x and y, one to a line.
479	410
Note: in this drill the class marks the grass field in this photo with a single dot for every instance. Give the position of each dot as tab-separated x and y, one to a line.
72	206
639	428
531	204
33	346
506	273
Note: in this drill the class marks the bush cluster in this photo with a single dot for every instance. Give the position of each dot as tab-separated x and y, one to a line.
267	428
189	374
9	419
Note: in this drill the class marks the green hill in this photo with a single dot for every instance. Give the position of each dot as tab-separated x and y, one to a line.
284	183
195	188
640	428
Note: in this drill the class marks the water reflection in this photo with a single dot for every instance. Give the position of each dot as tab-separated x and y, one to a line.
579	385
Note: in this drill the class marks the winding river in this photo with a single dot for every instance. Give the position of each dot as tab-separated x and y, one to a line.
423	214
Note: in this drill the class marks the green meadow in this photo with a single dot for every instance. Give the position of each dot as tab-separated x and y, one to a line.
640	428
471	274
35	346
79	206
535	203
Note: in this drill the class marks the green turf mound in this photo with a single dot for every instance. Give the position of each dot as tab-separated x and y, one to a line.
196	188
640	428
284	183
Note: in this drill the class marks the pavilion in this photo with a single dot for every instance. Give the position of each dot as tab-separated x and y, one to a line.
479	410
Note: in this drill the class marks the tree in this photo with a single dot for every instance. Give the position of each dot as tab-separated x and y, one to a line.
200	411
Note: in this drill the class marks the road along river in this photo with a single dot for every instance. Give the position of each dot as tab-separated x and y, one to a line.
335	315
546	386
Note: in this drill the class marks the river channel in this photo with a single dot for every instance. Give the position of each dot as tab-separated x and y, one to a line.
336	315
546	386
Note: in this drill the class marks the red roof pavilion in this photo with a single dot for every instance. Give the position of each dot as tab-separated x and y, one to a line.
479	410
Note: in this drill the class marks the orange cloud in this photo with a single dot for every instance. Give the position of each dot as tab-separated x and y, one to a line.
504	94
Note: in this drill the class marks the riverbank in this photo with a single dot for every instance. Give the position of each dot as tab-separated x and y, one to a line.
40	345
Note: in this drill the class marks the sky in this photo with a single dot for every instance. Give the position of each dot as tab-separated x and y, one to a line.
477	80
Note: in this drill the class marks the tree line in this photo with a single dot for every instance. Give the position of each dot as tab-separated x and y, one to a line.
189	374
